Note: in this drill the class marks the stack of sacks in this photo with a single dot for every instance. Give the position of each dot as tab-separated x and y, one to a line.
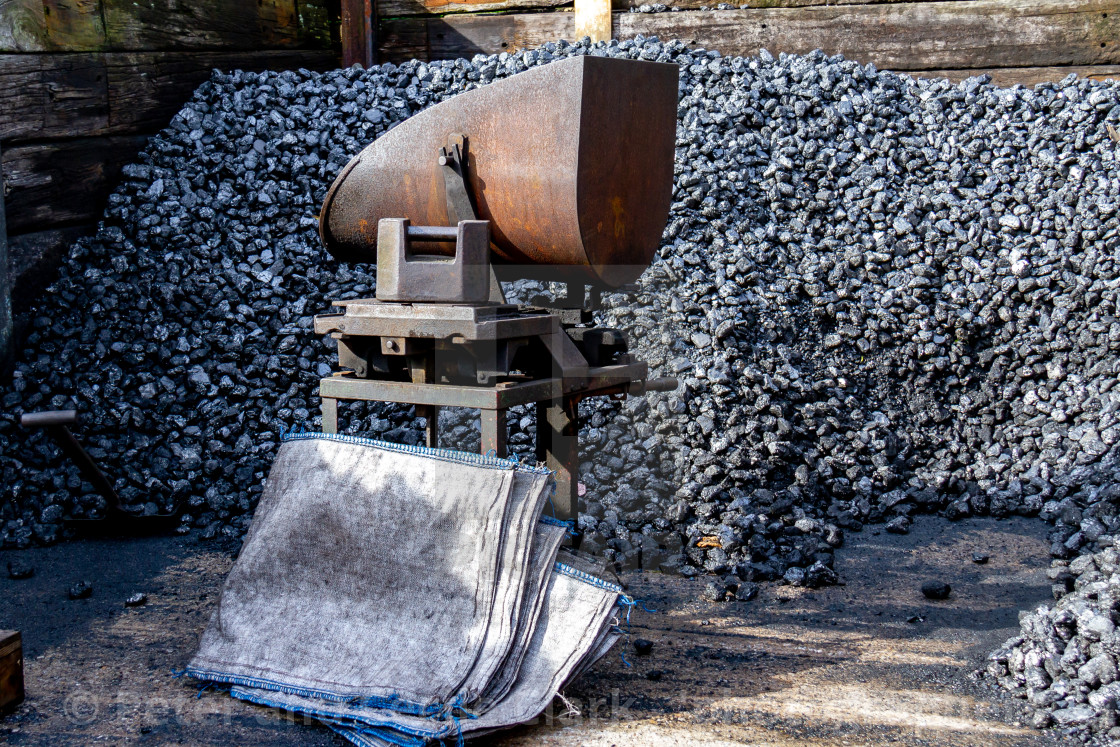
403	594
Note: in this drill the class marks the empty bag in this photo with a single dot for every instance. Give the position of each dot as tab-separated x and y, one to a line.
403	594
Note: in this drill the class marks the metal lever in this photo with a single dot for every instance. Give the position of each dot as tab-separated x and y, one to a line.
457	196
56	423
663	384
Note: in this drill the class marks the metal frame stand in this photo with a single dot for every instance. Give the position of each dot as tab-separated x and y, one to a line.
557	442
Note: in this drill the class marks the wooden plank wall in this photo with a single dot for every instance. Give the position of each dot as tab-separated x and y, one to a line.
84	83
1016	41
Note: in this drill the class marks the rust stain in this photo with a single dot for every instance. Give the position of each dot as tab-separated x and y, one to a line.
72	25
619	218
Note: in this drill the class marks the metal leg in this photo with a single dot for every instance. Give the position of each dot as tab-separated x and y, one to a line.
494	431
330	415
430	413
558	448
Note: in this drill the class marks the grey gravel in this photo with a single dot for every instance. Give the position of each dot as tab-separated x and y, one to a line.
1064	661
80	590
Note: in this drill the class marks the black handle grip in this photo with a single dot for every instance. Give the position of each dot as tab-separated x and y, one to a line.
664	384
48	418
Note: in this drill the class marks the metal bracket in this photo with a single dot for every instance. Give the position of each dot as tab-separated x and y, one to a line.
453	164
457	195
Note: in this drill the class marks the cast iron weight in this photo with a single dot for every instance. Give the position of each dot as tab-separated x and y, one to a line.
117	517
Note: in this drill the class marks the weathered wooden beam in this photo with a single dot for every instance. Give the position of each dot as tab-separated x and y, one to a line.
398	8
318	20
1027	76
48	25
63	182
44	95
907	36
148	25
11	670
76	95
593	19
146	90
903	36
359	33
201	24
696	4
463	36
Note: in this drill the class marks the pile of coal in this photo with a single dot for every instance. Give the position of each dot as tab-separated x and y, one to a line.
1063	662
882	296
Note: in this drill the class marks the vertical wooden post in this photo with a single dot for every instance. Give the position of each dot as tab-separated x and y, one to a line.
359	32
593	18
5	282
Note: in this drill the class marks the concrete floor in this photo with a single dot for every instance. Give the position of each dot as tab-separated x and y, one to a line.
836	666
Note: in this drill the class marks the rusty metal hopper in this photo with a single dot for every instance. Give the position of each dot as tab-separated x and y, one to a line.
572	162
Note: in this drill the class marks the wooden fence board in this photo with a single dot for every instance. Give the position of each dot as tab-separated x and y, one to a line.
78	95
464	36
696	4
398	8
55	183
132	25
145	90
318	23
144	25
1027	76
50	25
905	36
51	95
985	33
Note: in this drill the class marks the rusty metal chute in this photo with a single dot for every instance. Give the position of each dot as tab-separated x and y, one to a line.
571	162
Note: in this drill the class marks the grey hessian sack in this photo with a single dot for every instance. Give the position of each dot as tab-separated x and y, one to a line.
573	630
380	575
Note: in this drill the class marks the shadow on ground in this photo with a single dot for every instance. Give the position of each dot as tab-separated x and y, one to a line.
871	662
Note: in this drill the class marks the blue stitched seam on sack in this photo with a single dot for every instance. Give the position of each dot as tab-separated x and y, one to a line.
587	578
480	460
350	735
392	704
259	699
391	736
357	736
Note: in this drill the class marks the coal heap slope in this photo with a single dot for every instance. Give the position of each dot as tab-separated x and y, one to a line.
883	296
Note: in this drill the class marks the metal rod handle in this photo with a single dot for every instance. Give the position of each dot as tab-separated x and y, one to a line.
433	233
48	418
664	384
55	421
